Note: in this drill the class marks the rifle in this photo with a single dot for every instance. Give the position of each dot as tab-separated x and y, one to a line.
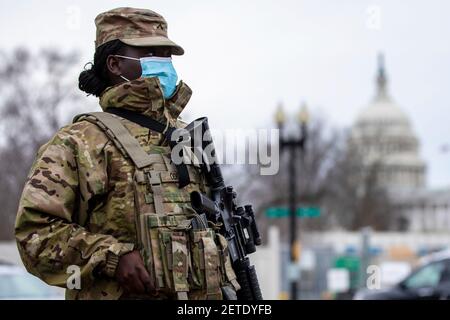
237	223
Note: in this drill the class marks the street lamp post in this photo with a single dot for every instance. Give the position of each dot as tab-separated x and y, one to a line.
292	144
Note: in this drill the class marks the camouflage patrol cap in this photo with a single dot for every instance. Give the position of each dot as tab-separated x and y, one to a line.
135	27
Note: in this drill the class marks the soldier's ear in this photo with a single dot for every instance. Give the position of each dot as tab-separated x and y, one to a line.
113	64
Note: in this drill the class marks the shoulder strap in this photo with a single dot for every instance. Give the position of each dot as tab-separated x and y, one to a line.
121	137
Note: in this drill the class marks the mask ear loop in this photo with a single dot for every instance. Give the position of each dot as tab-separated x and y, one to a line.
124	78
125	57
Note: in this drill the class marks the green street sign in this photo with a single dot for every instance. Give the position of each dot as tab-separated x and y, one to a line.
347	262
277	212
309	212
302	212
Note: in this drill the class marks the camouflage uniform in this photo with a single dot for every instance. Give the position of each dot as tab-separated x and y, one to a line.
77	206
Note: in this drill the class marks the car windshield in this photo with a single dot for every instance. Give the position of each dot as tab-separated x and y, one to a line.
22	285
428	276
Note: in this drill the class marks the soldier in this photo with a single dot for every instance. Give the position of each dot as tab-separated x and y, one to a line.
103	197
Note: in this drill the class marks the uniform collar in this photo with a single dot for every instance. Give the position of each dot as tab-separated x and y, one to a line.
144	95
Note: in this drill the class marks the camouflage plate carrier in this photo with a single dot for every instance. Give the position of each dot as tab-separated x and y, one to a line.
185	263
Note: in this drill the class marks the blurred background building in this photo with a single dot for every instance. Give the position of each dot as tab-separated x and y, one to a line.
384	136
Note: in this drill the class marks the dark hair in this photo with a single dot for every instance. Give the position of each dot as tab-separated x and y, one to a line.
95	80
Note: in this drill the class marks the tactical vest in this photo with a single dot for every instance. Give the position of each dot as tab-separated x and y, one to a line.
181	259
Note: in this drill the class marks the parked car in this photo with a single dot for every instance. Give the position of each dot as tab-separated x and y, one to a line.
17	284
429	281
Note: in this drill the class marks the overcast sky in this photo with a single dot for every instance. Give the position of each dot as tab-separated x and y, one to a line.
243	57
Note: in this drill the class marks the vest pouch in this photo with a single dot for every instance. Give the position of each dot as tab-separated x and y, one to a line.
228	274
167	246
205	268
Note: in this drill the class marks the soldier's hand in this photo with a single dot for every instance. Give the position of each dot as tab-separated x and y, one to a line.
132	274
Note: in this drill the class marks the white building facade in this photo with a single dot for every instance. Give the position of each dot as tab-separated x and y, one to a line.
384	136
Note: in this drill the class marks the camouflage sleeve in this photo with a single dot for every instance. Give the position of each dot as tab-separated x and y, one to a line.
48	231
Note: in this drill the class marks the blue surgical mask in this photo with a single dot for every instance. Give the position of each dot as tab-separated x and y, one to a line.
160	67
